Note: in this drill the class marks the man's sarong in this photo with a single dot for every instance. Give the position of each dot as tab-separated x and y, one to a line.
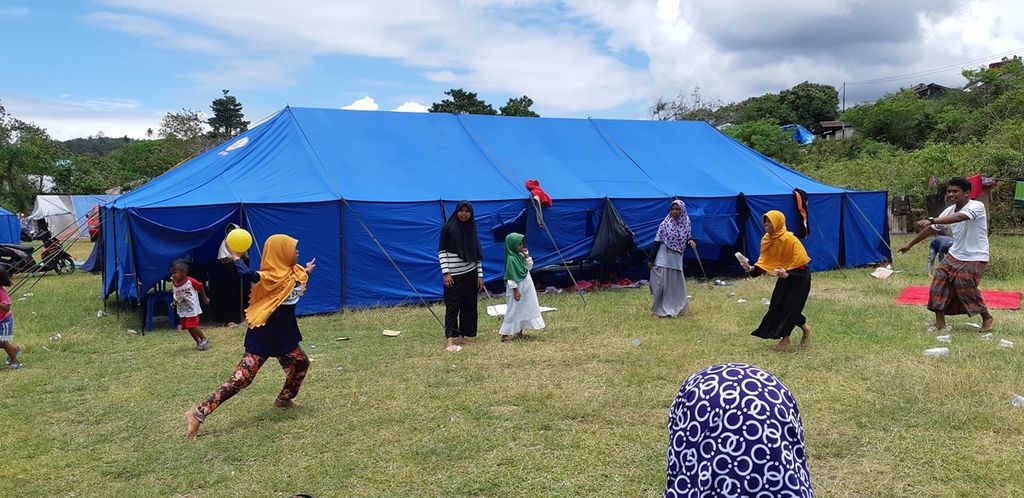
954	289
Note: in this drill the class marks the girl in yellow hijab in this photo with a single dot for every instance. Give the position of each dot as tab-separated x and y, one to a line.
784	256
273	330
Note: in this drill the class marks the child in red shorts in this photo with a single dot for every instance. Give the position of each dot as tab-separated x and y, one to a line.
187	293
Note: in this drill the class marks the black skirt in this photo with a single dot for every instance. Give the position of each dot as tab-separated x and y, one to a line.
787	306
279	336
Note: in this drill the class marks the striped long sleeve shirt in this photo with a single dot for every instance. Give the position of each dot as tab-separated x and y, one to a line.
452	264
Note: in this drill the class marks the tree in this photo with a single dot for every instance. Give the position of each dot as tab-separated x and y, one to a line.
695	107
902	119
185	133
519	107
811	103
227	120
463	102
766	137
25	149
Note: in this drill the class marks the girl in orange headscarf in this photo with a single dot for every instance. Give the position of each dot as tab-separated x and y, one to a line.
273	330
784	256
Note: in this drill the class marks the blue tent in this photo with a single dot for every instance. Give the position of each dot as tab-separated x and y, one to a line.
348	184
800	134
10	227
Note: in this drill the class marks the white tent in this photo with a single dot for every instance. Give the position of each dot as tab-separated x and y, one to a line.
64	211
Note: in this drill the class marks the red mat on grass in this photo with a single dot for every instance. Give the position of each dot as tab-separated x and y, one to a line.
1000	300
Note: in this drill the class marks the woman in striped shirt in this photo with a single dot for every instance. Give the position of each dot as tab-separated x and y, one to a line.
462	268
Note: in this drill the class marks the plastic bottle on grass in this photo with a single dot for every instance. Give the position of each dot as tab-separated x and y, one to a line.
936	352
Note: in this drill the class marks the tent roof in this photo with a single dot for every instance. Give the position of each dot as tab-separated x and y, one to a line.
302	155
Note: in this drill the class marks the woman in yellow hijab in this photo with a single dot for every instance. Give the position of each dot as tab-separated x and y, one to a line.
273	330
784	256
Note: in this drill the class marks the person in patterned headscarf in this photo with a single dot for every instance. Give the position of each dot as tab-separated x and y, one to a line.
668	285
734	430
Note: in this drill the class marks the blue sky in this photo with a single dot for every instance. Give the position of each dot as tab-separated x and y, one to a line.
117	66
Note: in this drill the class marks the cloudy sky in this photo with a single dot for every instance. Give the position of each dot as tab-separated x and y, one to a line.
116	66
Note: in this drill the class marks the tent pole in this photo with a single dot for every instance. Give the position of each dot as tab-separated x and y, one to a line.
579	292
341	249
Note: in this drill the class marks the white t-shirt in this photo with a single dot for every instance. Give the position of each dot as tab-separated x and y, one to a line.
970	237
186	298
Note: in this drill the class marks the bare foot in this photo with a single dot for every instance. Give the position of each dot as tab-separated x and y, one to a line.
986	324
286	403
805	340
193	425
782	345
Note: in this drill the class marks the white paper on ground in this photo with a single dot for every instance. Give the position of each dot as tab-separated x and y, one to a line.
882	272
500	309
391	333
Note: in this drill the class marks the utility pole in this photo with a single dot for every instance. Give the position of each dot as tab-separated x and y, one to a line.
844	95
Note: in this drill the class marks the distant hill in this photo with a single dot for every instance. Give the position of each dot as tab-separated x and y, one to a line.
98	146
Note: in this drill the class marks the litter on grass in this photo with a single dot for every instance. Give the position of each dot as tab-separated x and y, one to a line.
936	352
391	333
944	338
1003	343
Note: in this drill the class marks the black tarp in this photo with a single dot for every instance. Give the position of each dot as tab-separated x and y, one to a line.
613	235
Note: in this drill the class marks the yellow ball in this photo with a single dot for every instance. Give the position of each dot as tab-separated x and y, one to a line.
239	240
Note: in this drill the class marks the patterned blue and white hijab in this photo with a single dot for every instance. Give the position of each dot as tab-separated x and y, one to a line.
735	430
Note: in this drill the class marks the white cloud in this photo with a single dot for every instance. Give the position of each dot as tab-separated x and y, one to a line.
411	107
248	74
156	30
484	45
65	118
364	104
13	11
575	56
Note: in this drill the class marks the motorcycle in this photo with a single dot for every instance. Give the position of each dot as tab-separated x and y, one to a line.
55	258
16	258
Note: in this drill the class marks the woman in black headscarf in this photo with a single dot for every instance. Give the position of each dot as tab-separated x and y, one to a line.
462	269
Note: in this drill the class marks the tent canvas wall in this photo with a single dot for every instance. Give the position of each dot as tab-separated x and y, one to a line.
10	227
65	211
349	183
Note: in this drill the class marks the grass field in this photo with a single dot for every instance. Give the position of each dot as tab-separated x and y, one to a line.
578	411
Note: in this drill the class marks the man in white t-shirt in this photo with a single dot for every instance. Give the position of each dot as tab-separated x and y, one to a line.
954	289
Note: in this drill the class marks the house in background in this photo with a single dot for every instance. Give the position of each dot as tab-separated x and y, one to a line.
835	130
929	91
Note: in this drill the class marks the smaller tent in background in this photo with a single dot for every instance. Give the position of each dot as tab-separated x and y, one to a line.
10	227
64	211
800	134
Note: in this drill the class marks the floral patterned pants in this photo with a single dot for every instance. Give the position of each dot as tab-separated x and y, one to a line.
294	363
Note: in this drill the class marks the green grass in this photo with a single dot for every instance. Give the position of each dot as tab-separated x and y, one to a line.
579	411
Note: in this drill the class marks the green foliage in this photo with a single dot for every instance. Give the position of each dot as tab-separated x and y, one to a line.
805	104
986	84
810	103
463	102
693	107
228	119
902	119
519	107
25	149
98	145
766	137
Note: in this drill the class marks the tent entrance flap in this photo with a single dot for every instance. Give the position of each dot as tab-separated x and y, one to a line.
613	235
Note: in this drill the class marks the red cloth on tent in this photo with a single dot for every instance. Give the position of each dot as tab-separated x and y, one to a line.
534	187
1002	300
977	189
